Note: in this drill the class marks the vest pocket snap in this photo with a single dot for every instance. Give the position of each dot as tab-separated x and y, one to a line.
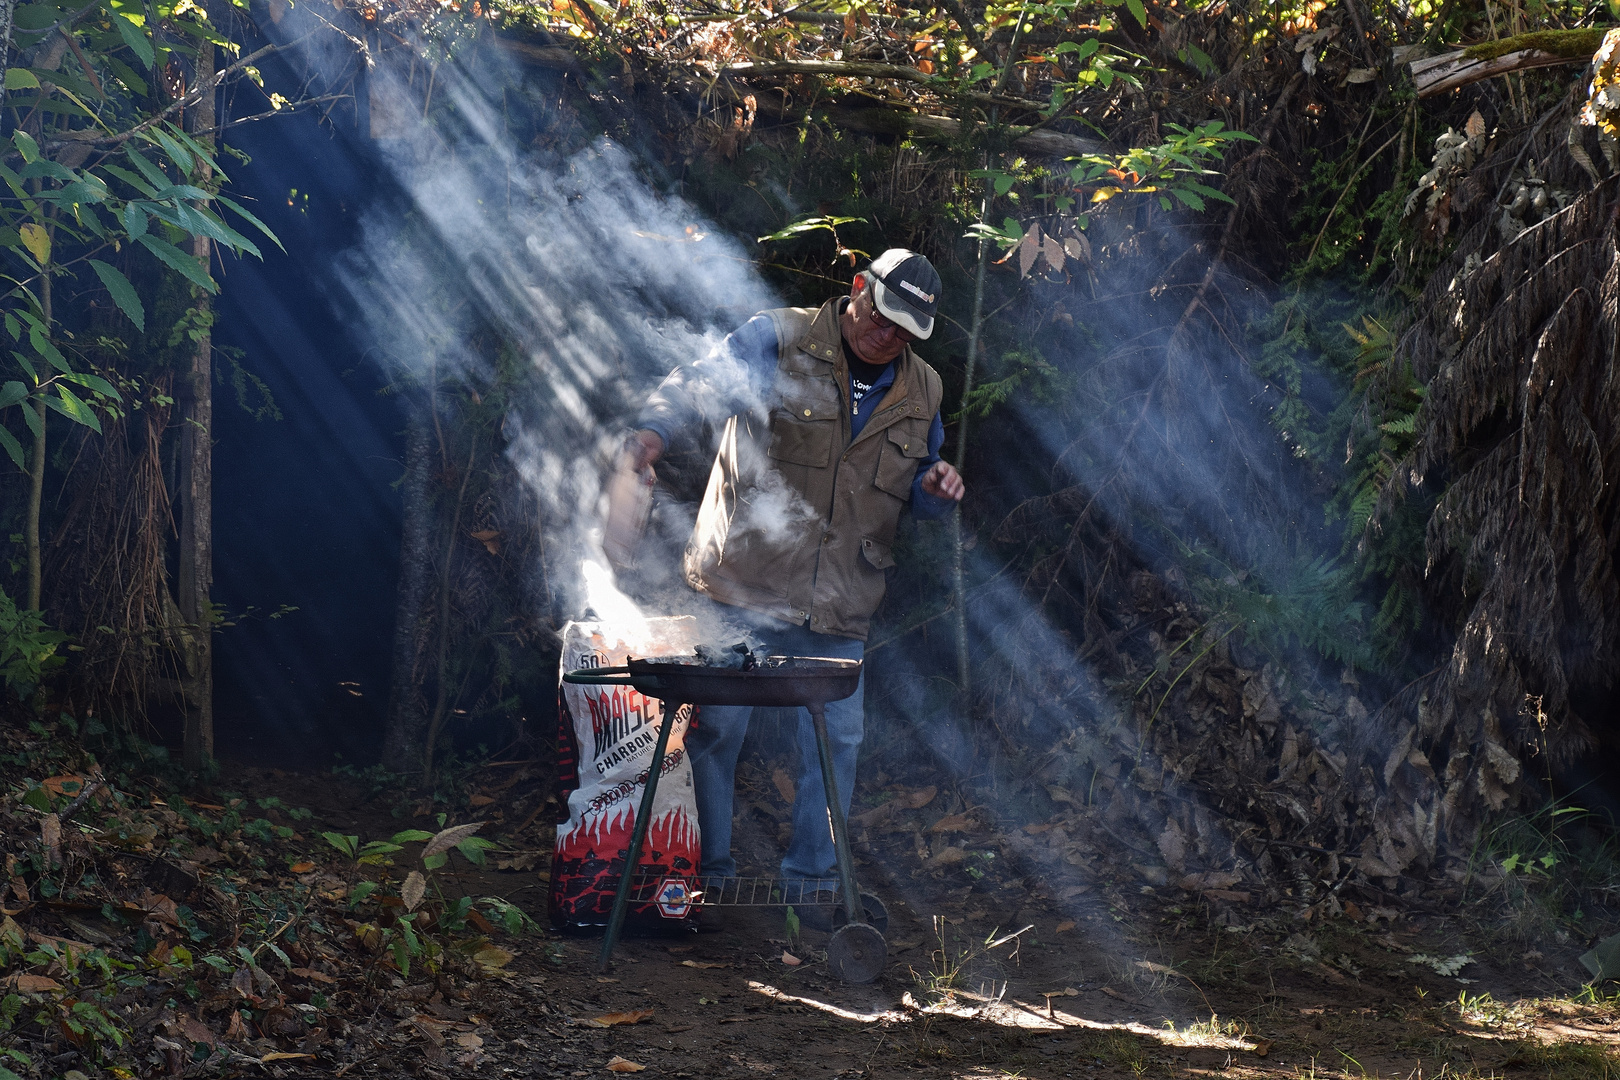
877	553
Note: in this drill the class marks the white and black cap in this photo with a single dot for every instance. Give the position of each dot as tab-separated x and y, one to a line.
905	288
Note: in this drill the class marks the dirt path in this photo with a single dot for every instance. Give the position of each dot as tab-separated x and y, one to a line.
1112	977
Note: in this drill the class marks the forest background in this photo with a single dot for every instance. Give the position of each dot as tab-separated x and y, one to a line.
1278	343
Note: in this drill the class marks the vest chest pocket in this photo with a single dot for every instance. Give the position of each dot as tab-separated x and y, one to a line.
802	442
805	422
902	451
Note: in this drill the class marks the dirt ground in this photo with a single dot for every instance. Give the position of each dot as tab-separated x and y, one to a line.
1099	972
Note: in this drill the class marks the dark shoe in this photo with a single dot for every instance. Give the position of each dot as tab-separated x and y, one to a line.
711	916
816	913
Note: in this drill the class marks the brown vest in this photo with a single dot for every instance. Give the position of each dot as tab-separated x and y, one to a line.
798	521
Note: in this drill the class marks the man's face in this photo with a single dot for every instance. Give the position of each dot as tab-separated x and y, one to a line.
873	337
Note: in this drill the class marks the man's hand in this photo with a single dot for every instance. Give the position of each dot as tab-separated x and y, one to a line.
942	481
645	447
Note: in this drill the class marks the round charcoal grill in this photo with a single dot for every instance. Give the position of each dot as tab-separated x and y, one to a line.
856	952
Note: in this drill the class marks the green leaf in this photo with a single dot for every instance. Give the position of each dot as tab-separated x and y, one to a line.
345	844
1137	10
1189	197
11	393
27	365
93	382
135	38
73	407
179	260
37	16
251	220
153	174
126	75
21	79
36	426
361	891
134	181
37	241
44	347
123	293
411	836
13	448
134	220
176	152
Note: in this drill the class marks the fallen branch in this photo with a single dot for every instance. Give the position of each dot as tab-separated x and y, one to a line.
1544	48
1036	143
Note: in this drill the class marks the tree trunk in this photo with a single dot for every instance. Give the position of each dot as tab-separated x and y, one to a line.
36	468
8	11
196	578
402	744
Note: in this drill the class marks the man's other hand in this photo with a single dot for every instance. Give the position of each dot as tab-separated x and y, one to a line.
646	447
942	481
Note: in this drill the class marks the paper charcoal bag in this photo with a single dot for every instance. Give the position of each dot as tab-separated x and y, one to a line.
606	739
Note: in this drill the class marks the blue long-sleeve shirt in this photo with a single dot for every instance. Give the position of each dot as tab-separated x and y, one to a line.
753	344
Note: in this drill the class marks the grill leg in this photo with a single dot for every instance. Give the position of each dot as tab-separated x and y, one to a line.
638	836
853	911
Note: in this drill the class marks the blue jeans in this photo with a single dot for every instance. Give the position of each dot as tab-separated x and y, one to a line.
713	746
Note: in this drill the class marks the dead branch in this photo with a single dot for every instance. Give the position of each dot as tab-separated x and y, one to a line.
1545	48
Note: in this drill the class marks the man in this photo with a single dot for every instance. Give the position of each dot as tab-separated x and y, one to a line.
830	426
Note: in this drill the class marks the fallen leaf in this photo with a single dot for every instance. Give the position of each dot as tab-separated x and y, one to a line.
301	867
469	1041
236	1030
678	1029
701	964
1072	891
491	539
1262	1047
50	834
448	838
952	823
1036	830
413	889
1475	127
738	1019
619	1064
68	784
1231	895
947	857
1155	968
242	982
784	785
606	979
1064	926
35	984
918	799
790	960
282	1023
1352	911
196	1031
282	1056
492	958
634	1016
680	948
480	800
